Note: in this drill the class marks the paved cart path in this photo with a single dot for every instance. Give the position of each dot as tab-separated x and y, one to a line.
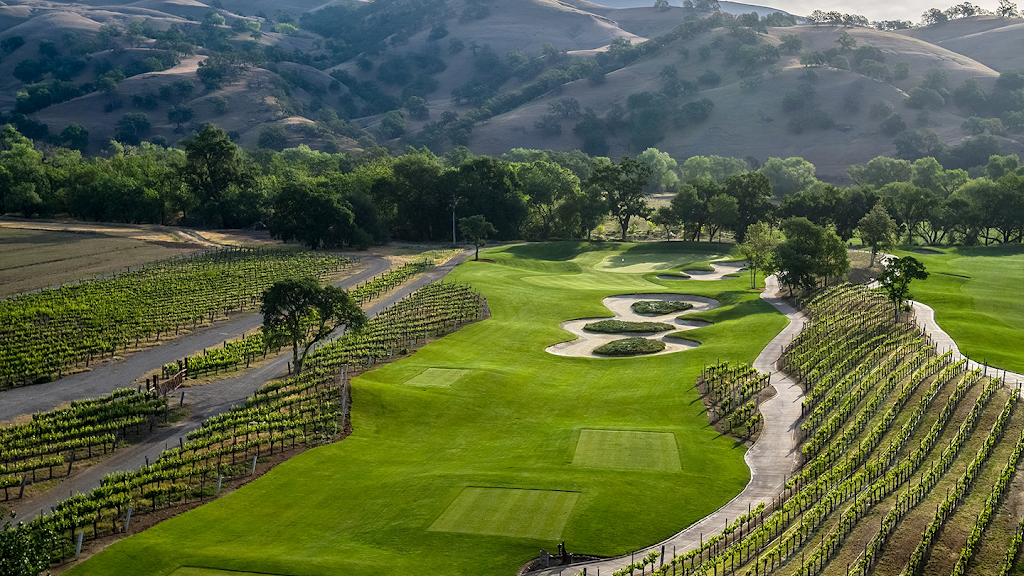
205	401
105	377
924	315
772	459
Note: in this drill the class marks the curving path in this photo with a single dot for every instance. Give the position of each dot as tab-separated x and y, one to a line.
103	378
205	401
771	460
924	316
586	342
720	272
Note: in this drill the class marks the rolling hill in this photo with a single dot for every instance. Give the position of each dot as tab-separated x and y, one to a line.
493	75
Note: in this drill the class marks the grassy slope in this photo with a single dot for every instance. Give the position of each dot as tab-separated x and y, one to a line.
978	296
363	506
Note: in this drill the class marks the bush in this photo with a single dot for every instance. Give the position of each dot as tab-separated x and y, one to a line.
893	125
710	78
630	347
620	326
273	136
660	306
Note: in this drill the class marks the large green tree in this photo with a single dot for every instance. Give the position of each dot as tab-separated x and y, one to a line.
546	186
299	312
753	193
214	172
623	188
316	216
877	230
896	278
759	244
476	229
808	253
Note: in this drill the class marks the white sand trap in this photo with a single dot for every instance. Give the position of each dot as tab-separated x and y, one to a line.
586	342
721	271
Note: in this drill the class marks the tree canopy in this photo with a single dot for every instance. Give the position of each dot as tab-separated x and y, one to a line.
300	313
896	279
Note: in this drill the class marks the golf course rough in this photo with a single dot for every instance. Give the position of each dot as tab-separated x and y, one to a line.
978	297
500	440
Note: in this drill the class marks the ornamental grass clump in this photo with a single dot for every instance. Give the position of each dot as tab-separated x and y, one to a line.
630	347
660	307
620	326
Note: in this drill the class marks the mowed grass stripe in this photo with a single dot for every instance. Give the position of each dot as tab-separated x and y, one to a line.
512	512
627	450
436	377
194	571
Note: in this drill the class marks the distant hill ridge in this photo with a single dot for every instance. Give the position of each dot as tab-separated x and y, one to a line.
499	74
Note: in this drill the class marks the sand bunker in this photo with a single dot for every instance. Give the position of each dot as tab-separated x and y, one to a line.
721	271
621	306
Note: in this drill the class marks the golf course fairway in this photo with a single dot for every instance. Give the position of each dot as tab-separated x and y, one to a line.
476	451
978	297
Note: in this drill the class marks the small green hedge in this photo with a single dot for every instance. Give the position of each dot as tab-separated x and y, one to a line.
660	306
630	347
619	326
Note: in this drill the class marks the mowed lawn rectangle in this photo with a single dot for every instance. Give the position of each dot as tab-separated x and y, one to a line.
436	377
512	512
627	450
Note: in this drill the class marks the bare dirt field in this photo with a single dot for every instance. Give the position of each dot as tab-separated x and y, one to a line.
40	253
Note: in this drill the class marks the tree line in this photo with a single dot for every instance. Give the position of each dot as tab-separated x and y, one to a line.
330	200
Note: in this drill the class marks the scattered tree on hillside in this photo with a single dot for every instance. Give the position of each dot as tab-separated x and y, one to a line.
877	230
476	229
846	41
791	43
132	127
298	312
1007	9
75	136
896	278
623	189
761	241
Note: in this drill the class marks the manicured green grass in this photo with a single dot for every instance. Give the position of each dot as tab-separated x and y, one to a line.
978	297
365	505
538	514
627	450
189	571
436	377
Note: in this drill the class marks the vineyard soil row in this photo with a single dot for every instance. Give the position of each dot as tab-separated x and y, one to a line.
206	401
103	378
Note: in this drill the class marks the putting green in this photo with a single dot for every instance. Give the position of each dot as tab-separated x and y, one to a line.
366	505
978	297
516	513
654	258
436	377
627	450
